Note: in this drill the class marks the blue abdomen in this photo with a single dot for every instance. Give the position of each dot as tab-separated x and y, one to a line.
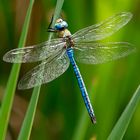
81	84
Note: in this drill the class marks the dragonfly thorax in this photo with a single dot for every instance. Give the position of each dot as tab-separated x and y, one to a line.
64	33
69	42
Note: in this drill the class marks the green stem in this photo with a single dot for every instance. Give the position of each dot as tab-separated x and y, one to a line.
12	81
28	121
123	122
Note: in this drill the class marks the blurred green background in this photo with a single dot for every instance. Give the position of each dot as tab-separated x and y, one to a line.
60	106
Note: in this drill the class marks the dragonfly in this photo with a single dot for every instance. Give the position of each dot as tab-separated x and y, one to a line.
83	46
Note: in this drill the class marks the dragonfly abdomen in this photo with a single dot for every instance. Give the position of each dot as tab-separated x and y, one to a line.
81	85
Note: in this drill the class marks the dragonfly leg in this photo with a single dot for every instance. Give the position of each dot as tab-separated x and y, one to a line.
50	29
51	22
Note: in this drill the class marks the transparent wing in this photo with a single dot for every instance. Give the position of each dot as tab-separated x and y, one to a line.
103	29
34	53
45	72
96	53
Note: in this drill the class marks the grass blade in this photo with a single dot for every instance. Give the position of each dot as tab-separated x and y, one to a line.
122	124
81	128
57	11
28	121
10	90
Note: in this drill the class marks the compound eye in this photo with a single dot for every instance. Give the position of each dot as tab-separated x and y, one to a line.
60	24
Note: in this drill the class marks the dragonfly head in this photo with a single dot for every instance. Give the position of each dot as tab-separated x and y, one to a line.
60	24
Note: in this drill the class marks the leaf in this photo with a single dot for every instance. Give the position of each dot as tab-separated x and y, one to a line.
123	122
12	81
28	121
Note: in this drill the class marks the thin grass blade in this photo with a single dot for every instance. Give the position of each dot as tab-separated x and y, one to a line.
80	131
28	121
123	122
12	81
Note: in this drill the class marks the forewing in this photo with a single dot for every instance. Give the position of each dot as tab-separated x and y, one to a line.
34	53
103	29
45	72
96	53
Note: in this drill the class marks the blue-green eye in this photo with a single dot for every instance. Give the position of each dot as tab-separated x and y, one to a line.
61	25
